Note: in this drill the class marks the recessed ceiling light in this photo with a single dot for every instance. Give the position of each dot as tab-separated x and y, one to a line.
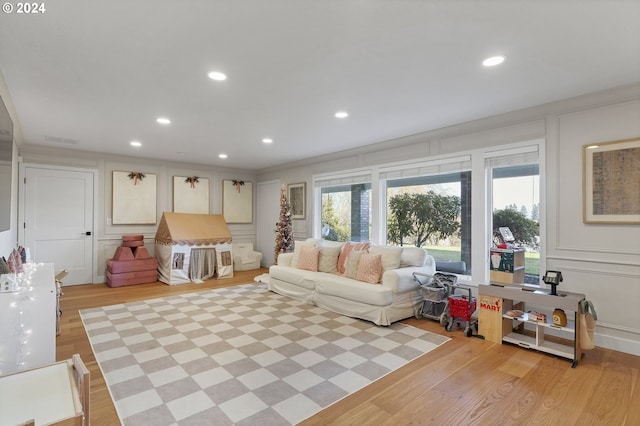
218	76
593	147
163	120
135	144
493	61
267	140
341	114
223	156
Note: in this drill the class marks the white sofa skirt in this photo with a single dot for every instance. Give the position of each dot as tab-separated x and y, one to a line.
291	290
404	306
400	298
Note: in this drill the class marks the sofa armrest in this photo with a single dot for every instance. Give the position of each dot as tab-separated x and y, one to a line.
254	256
430	263
284	259
401	279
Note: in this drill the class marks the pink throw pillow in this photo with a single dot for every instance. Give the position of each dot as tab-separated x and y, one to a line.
347	248
370	268
308	258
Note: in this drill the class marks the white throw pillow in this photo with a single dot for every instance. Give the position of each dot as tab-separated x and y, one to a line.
328	260
390	256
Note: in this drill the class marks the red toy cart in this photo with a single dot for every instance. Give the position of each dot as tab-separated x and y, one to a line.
461	307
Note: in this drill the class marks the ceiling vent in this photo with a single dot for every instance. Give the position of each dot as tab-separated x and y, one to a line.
61	140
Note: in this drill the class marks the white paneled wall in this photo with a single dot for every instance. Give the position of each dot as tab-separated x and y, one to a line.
602	261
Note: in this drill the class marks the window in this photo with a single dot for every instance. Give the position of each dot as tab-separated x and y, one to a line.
346	212
345	206
515	203
444	227
429	205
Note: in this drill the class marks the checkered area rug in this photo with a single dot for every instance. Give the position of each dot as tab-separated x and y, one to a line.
239	355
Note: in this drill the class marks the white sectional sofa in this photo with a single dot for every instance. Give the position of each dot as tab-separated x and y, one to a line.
395	296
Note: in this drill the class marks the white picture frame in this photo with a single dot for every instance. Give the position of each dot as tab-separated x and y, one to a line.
610	182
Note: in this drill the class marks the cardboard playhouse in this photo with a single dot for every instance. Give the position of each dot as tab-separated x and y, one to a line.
193	248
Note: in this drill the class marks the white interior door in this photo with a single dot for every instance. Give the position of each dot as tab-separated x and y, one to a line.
268	215
57	219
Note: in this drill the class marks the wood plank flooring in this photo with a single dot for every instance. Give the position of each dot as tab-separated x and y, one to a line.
467	381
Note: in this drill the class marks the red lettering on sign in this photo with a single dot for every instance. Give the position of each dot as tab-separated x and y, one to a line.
489	307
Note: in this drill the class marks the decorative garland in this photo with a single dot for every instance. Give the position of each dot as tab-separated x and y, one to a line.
237	184
192	180
136	176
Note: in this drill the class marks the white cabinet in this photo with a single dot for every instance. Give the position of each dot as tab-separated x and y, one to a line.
28	320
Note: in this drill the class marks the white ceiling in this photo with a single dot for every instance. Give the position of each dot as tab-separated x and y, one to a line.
93	75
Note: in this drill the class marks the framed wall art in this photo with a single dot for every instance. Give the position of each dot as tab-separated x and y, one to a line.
134	198
190	194
237	201
297	195
611	172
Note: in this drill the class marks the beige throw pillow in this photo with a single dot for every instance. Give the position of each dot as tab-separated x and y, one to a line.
351	265
328	260
347	248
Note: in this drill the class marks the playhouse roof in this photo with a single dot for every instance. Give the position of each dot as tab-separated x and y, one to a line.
192	229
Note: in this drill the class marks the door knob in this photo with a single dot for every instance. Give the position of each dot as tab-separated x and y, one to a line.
87	233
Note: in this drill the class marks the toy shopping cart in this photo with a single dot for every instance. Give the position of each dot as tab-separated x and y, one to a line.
461	307
435	292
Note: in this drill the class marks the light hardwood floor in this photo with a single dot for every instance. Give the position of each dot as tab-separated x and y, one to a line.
465	381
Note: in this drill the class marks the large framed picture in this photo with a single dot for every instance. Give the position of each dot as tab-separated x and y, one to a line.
297	195
237	201
134	198
611	172
190	194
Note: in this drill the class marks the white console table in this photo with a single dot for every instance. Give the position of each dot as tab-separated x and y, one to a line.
28	320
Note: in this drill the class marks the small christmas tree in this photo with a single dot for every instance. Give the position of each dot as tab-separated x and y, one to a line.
284	230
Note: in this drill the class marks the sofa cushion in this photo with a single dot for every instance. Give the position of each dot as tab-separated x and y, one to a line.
347	248
369	268
351	265
346	288
413	256
328	260
299	277
390	256
308	258
329	243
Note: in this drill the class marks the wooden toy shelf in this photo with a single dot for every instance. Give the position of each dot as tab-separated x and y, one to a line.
496	326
